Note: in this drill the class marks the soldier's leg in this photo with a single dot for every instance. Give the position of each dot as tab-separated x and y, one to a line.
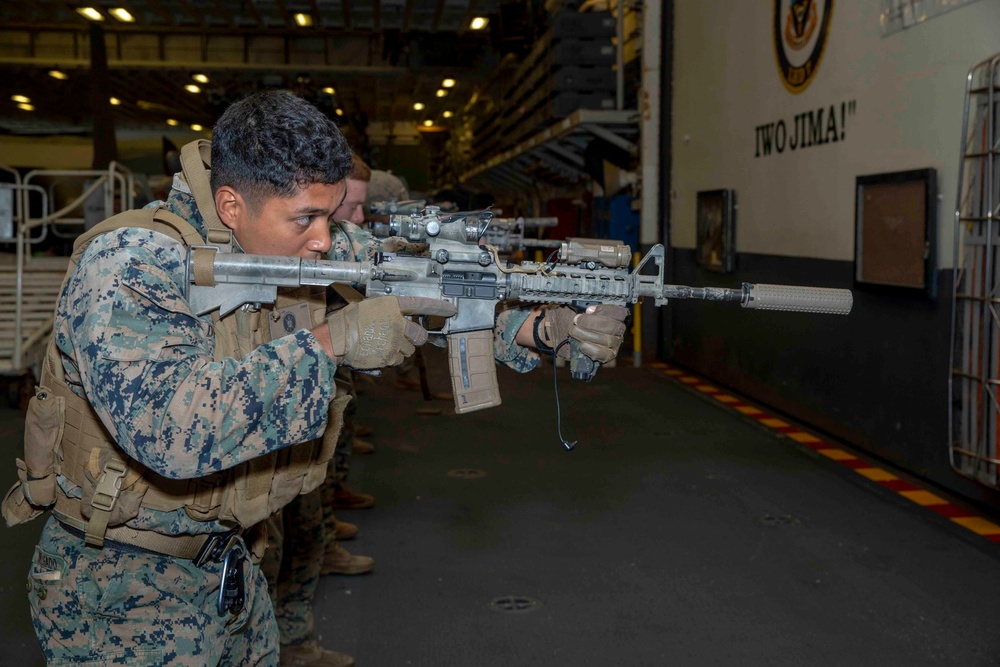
122	605
303	547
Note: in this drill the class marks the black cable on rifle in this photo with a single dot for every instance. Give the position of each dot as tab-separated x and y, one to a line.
555	381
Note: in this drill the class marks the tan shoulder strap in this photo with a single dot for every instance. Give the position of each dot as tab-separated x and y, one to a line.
155	219
196	163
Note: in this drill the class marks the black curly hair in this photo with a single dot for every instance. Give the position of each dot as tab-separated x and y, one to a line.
271	144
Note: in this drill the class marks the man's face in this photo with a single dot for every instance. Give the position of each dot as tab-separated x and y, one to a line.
296	226
353	208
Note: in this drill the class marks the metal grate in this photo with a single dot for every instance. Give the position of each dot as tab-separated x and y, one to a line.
975	332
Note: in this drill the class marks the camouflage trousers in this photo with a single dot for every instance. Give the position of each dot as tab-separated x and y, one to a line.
345	441
125	606
291	565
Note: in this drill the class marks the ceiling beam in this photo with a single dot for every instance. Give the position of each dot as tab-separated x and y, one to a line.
346	7
407	15
438	11
285	15
470	13
317	14
224	12
256	14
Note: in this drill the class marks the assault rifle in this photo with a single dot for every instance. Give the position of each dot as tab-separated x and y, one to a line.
473	277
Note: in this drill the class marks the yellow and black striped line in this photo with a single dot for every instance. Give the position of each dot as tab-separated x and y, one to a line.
960	516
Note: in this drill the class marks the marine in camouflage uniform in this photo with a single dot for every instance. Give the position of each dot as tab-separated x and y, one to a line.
131	347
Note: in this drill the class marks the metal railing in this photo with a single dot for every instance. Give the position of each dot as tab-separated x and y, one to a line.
973	405
116	186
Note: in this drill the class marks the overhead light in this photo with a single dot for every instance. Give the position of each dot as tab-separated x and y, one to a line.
339	111
418	106
115	101
122	14
304	20
479	23
447	114
191	88
172	123
441	92
56	74
90	13
448	83
329	90
20	98
26	107
428	123
197	128
200	78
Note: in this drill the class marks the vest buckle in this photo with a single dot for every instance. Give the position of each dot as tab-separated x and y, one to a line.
109	486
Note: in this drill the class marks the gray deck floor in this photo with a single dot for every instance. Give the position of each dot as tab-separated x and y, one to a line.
677	533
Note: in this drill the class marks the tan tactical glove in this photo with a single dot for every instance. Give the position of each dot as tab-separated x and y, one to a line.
599	330
374	333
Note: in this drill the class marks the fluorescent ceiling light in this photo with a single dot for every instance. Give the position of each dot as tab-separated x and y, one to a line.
172	123
428	123
447	114
200	78
448	83
329	90
304	20
90	13
115	101
26	107
340	112
479	23
418	106
191	88
197	128
20	98
56	74
441	92
122	14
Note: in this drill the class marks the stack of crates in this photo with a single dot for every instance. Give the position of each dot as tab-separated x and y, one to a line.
570	68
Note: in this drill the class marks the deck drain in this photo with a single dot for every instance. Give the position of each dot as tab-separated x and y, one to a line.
779	520
515	604
467	473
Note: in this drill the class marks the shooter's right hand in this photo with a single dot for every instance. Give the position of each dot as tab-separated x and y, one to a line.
374	333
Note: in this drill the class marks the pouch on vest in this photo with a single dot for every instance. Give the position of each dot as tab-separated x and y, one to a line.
328	444
35	489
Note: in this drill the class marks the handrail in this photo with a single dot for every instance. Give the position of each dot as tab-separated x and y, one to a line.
115	176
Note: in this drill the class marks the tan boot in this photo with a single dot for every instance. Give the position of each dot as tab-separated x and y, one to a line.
361	446
310	654
344	530
339	560
345	498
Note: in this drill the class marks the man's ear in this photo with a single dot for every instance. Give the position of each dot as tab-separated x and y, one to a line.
230	206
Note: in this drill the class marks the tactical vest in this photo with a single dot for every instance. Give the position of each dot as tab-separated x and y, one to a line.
64	435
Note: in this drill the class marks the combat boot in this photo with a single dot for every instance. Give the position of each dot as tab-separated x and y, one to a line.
345	498
361	446
344	530
339	560
311	654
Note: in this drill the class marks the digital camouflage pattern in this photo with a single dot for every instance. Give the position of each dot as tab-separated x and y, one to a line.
131	346
116	607
292	562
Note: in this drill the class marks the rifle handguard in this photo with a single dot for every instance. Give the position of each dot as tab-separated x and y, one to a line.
473	370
